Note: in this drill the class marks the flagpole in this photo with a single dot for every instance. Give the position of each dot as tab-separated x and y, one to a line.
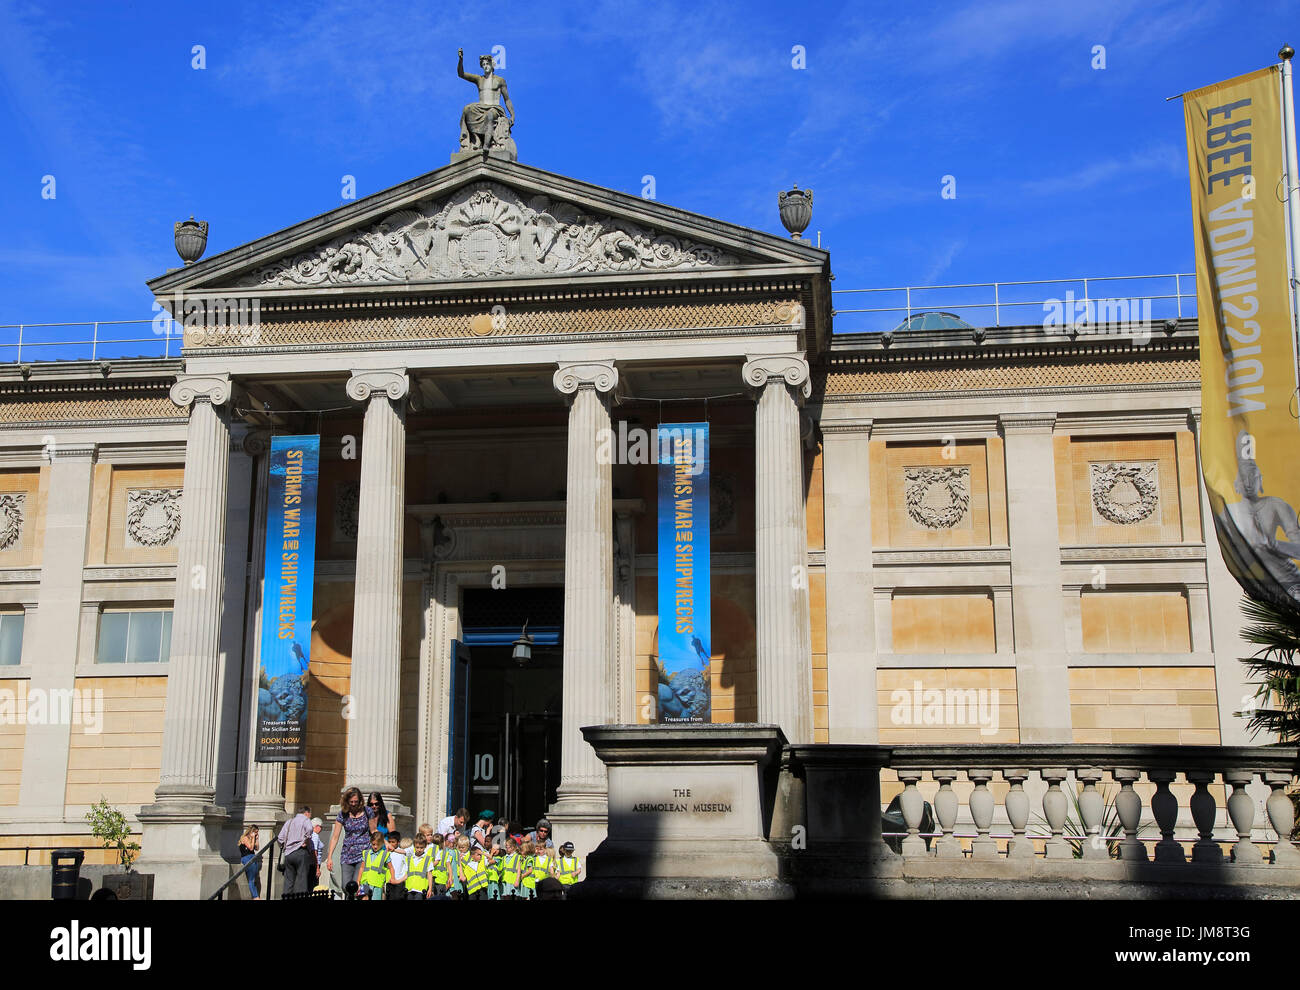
1292	189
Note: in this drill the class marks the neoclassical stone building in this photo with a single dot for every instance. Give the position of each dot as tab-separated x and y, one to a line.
1011	510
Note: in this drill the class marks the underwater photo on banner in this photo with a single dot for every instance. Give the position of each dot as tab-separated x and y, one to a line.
685	633
287	599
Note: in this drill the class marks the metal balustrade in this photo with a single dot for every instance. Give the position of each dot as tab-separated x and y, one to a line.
982	304
91	340
1025	303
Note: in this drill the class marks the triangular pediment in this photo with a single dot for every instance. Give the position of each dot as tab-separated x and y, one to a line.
486	221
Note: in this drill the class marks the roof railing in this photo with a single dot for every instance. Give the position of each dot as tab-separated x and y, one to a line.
982	304
90	340
1004	303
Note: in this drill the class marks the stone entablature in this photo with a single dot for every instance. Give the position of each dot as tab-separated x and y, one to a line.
509	318
1031	363
488	230
90	404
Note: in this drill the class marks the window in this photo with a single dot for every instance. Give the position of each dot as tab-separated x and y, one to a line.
135	637
11	639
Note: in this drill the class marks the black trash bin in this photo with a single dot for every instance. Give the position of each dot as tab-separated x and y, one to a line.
65	871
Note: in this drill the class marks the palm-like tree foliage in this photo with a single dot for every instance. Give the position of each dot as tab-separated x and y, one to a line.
1275	628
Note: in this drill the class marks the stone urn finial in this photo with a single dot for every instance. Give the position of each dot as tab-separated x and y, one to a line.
796	210
191	239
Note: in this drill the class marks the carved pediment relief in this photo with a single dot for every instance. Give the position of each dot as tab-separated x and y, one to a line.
487	230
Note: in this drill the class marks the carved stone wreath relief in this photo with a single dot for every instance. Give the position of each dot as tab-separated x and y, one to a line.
1125	492
487	230
153	516
937	497
11	518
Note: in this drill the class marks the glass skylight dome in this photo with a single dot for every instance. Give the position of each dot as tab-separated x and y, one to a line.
933	320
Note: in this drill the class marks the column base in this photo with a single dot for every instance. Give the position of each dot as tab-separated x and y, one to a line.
181	843
580	817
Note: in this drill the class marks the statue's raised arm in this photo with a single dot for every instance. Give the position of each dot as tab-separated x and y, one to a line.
460	67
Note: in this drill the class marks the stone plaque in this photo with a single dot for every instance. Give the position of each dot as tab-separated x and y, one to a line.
684	802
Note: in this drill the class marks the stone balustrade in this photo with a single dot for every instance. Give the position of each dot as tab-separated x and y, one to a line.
1050	766
737	811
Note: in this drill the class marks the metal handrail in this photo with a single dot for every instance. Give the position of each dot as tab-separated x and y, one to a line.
17	335
269	848
95	341
998	302
28	850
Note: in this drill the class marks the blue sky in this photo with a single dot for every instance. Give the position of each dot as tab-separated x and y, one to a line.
1061	169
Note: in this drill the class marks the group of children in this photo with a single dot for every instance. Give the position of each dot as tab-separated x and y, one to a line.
436	866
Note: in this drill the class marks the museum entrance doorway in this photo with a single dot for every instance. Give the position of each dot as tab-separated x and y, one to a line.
505	725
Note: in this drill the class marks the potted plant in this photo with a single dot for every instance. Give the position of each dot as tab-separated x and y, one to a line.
111	827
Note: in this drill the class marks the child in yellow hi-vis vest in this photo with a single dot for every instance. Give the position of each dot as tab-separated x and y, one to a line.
511	871
476	875
527	885
372	871
543	864
419	866
456	874
568	868
439	872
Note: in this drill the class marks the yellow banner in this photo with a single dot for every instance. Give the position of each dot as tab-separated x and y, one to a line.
1249	432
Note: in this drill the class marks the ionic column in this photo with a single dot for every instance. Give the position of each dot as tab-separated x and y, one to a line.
181	854
781	545
588	591
377	613
189	725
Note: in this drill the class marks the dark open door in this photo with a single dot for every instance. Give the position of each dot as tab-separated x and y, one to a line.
458	741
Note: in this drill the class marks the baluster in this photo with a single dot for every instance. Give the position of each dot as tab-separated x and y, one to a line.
1203	805
1092	809
1055	807
1165	808
981	811
912	805
945	809
1241	812
1017	805
1281	815
1128	803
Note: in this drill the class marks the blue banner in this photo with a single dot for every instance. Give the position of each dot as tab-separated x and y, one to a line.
286	599
685	614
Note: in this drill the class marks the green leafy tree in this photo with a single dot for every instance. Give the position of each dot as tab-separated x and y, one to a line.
110	826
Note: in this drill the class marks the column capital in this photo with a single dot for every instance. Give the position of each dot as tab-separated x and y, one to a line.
859	426
255	443
760	369
1027	422
394	381
573	375
209	388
